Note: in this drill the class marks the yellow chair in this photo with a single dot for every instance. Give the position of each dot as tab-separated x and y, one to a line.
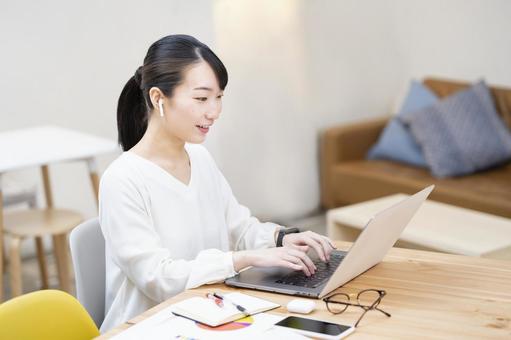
45	314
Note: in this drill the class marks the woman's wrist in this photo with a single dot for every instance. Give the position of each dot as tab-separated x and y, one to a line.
241	259
276	233
283	233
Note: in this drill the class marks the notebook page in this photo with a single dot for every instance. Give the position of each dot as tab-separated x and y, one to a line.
205	310
251	303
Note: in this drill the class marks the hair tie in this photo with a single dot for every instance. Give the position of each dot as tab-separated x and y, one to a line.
138	76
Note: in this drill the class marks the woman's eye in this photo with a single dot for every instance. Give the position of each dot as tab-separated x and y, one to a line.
202	99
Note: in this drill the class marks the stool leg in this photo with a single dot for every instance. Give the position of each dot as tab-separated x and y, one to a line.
3	267
4	258
62	259
15	267
42	262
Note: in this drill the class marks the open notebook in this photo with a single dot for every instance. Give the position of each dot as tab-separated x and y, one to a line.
206	311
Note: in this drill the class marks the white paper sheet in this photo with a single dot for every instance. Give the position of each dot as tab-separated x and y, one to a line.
164	325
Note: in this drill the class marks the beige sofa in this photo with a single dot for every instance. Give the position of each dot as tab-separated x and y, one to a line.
347	177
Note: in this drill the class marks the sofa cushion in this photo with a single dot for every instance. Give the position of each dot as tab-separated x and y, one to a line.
357	181
461	134
396	142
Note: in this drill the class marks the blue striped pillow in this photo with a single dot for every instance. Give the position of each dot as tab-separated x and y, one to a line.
461	134
396	142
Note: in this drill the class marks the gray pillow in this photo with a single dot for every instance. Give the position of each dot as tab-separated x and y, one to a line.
462	133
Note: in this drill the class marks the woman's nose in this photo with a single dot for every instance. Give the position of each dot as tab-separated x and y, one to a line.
214	111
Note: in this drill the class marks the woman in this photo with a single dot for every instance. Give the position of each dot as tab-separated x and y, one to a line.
168	215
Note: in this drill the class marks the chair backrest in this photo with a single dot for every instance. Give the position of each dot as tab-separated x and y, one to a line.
88	252
45	314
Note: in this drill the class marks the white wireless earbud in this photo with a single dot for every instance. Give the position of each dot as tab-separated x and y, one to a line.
160	104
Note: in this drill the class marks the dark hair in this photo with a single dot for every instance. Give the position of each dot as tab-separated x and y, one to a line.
163	68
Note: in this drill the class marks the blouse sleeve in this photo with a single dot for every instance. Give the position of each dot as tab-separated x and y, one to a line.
137	249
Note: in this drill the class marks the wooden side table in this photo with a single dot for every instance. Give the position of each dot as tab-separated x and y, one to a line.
436	226
39	147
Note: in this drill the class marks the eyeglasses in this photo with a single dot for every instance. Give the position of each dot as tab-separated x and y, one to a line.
367	299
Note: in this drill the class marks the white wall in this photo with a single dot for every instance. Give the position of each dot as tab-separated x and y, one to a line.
265	113
66	62
295	67
358	58
459	39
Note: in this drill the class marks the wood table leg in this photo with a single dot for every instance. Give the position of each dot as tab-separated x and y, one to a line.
2	250
94	177
15	266
62	259
43	268
4	262
95	185
3	267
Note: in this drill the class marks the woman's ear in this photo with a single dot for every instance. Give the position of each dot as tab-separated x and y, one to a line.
155	95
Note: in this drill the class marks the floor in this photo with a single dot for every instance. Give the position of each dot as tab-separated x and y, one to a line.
31	278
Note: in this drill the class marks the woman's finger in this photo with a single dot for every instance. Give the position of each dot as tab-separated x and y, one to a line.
324	245
305	259
309	239
330	242
297	261
306	269
289	264
303	249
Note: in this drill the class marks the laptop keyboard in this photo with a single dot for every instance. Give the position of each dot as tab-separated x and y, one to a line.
323	273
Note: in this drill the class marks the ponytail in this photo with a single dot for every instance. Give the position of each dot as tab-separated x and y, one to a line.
131	114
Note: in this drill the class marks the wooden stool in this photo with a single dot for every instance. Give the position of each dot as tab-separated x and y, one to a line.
17	195
38	223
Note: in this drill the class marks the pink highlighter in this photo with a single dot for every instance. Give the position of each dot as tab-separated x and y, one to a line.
218	301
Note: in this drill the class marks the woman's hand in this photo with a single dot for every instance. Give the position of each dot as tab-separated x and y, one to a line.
291	256
322	245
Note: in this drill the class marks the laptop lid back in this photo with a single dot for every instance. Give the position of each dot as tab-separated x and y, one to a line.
373	243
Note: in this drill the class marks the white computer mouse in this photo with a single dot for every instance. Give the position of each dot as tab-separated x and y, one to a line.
301	306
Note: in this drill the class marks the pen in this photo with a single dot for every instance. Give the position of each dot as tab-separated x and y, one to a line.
218	301
238	307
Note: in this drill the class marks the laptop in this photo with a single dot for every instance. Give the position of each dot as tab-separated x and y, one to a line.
371	246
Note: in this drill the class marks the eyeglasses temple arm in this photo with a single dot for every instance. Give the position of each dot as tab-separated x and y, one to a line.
384	312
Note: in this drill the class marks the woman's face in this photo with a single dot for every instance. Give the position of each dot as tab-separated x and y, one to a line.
194	105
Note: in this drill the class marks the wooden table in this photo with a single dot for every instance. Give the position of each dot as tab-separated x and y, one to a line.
38	147
430	295
436	226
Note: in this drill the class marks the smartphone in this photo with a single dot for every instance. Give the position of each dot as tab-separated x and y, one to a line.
316	328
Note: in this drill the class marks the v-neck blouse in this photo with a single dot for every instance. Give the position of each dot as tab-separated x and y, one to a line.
157	168
163	236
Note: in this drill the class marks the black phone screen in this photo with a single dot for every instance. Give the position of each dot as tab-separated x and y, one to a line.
312	325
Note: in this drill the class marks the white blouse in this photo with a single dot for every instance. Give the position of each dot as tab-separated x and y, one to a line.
163	236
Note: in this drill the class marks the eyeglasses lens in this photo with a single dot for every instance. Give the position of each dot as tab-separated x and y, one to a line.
368	297
338	303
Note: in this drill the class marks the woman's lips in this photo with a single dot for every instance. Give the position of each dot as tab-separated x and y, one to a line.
203	130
